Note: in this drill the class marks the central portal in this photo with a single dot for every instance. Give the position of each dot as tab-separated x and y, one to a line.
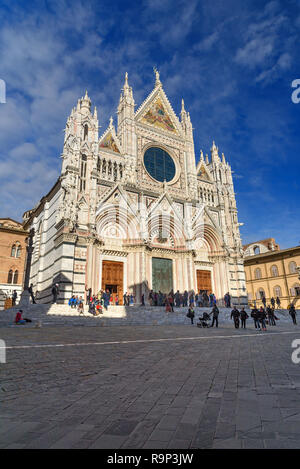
112	279
162	275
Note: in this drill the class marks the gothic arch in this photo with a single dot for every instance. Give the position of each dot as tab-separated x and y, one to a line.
113	221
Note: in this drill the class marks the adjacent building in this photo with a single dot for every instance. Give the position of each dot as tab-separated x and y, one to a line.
272	272
132	211
12	259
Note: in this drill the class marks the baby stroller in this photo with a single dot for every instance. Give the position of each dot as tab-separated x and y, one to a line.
204	321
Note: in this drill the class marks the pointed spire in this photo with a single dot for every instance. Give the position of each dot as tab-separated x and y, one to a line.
214	153
95	113
182	105
111	121
201	156
223	158
206	159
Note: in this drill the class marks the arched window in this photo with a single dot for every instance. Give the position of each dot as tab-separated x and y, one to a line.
274	271
295	290
16	276
277	291
85	131
83	173
293	267
18	251
10	276
260	294
256	250
257	273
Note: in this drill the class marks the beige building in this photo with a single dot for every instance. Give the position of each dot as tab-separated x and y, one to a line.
272	272
12	259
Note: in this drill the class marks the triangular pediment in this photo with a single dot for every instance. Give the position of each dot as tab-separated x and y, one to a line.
117	196
156	111
109	141
203	173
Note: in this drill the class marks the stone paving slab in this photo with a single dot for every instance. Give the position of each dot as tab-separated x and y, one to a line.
149	387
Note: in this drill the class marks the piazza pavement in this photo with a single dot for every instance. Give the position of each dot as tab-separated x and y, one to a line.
164	386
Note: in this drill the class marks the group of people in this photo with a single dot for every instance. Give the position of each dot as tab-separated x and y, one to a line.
178	299
261	317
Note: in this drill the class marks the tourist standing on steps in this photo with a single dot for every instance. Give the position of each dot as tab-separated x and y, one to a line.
292	313
278	302
244	317
55	292
14	298
254	315
215	316
262	318
30	289
143	299
235	314
191	314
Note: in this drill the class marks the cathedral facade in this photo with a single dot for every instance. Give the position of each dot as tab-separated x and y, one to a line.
132	211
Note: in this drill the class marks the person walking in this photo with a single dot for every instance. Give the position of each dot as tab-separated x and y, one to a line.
55	292
215	316
292	313
273	302
278	302
235	315
30	289
106	299
254	315
14	298
264	301
262	318
244	316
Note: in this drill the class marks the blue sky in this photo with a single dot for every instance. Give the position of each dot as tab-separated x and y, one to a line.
233	63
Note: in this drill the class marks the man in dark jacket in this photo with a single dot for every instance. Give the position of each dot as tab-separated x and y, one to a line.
292	313
55	292
262	318
215	316
244	317
30	289
254	315
235	314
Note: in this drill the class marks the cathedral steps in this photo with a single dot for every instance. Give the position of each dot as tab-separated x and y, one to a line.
58	314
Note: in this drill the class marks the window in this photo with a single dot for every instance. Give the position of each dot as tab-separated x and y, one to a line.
260	294
277	291
274	271
256	250
86	131
295	290
293	267
159	164
10	276
16	276
257	273
83	173
16	250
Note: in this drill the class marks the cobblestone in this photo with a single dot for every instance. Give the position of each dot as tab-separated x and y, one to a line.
172	386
